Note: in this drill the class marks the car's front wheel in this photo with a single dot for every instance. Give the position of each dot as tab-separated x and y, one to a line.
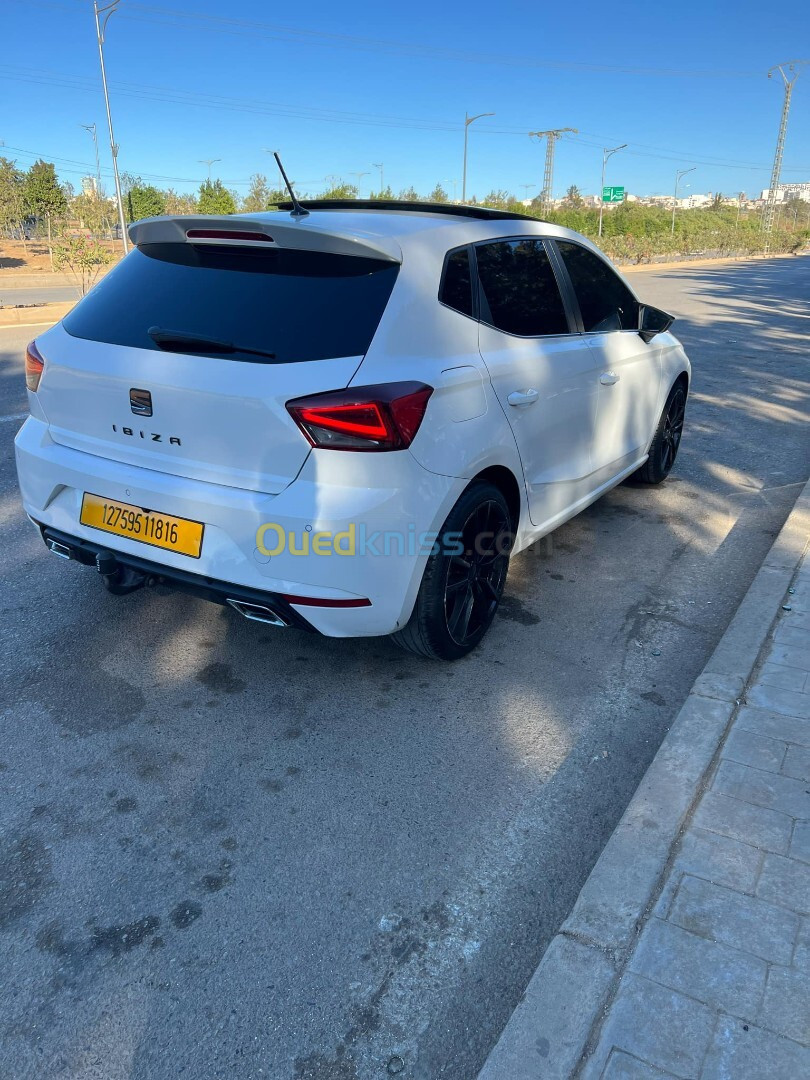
667	439
464	577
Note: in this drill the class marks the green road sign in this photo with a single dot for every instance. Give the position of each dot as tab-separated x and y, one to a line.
612	194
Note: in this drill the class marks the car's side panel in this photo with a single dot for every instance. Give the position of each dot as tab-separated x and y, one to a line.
629	387
554	427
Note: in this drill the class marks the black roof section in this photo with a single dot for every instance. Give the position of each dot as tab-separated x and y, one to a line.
450	209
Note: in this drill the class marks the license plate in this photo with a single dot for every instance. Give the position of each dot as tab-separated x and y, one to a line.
147	526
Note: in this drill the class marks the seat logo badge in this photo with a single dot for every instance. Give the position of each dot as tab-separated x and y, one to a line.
140	401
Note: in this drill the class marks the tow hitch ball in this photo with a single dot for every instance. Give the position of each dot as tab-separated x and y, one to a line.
118	579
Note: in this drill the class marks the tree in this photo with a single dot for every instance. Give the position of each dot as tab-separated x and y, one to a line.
438	194
258	197
409	194
215	198
82	258
180	204
12	197
276	196
386	193
573	198
144	200
340	191
44	197
94	213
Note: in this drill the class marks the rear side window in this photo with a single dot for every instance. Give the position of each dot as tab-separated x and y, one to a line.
298	305
519	286
605	302
456	290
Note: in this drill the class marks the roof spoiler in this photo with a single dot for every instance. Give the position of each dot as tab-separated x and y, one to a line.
262	230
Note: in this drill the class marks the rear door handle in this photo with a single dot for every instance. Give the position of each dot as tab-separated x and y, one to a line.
522	397
608	378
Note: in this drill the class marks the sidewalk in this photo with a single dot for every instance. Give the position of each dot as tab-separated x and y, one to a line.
687	953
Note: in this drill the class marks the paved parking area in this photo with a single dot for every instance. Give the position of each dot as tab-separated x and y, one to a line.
226	850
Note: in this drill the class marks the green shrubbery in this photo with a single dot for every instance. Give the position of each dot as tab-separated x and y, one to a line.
34	202
635	233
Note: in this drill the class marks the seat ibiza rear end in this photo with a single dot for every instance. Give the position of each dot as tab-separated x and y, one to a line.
293	416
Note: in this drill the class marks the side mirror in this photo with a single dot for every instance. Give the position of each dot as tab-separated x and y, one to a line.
652	321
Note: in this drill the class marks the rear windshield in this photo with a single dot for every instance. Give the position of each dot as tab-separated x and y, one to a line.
297	305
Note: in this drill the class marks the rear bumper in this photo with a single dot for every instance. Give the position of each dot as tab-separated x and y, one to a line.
219	592
382	493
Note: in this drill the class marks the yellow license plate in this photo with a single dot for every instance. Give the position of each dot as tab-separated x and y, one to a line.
147	526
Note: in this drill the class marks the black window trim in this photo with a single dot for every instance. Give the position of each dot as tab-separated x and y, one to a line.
570	308
473	281
559	259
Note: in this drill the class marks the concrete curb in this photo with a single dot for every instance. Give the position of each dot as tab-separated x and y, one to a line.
557	1019
678	264
35	314
34	279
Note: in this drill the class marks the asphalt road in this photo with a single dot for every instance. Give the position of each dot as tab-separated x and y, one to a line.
45	294
229	851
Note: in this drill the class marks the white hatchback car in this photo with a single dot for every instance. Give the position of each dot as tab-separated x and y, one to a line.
346	420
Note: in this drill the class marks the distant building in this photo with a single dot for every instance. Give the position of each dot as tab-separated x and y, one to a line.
89	185
789	191
693	202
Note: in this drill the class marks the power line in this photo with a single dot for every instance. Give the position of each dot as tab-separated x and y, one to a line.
145	91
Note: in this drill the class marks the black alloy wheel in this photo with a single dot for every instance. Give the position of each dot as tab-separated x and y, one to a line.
464	577
667	439
476	576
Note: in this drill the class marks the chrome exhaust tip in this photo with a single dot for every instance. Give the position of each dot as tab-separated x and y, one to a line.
62	550
256	612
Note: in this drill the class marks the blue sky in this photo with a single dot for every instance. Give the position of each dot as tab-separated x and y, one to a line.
339	87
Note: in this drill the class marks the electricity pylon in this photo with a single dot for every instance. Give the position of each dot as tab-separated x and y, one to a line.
548	175
770	207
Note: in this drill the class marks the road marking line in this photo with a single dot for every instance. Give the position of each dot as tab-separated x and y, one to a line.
16	416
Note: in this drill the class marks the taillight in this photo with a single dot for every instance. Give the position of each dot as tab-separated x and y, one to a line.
384	417
228	234
34	365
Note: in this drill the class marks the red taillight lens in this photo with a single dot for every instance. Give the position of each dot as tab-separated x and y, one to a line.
34	366
384	417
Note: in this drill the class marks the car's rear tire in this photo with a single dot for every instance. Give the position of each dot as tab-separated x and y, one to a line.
666	441
464	578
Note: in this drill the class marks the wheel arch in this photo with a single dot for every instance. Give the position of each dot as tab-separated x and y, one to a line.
507	483
681	379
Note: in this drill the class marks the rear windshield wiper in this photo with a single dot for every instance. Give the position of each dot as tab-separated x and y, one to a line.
180	341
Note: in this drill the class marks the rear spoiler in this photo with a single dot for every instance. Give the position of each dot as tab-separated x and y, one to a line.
276	230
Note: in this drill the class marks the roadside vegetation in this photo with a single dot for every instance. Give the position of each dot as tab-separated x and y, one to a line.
79	229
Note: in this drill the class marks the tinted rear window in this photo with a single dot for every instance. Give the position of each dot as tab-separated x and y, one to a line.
521	289
299	305
456	290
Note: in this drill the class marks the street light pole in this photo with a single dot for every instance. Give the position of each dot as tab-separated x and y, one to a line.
101	27
209	161
605	155
92	129
379	165
359	176
678	175
467	121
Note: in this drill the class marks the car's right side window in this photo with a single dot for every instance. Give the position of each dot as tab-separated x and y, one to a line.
520	288
605	302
